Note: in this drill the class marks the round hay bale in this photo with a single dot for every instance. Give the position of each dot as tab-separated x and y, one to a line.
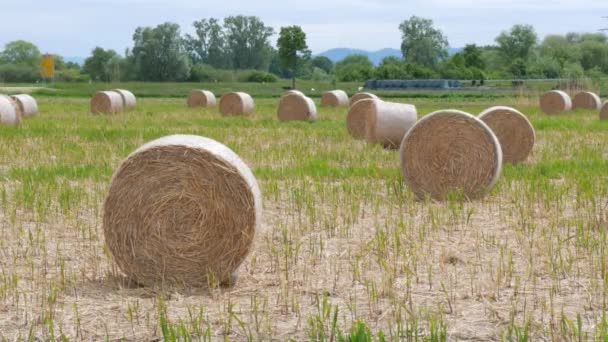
362	96
201	98
182	209
604	111
106	102
128	99
334	98
356	117
555	102
447	151
387	122
586	100
15	105
236	103
296	107
294	91
27	105
513	130
8	112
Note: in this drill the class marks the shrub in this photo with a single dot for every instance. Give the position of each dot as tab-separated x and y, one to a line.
261	77
18	73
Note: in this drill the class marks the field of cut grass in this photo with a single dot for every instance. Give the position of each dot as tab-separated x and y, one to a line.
347	250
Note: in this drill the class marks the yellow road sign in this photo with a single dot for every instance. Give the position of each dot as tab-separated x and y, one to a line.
47	66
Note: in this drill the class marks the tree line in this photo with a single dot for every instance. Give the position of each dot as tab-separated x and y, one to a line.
239	48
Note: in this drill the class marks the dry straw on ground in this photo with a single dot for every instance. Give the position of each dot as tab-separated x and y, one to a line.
128	99
236	103
182	210
201	98
513	130
450	151
106	102
296	107
8	111
604	111
362	96
586	100
387	123
555	102
334	98
27	105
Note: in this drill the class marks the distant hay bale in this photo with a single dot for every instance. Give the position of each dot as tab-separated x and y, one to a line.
604	111
586	100
296	107
27	105
128	99
201	98
106	102
8	112
181	209
513	130
555	102
362	96
450	151
334	98
236	103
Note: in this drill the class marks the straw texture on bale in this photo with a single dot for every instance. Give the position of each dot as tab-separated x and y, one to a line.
387	122
555	102
334	98
356	117
27	105
450	151
182	210
128	99
201	98
106	102
513	130
586	100
296	107
362	96
236	103
604	111
8	112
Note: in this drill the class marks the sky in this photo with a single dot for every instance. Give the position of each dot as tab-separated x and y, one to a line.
75	27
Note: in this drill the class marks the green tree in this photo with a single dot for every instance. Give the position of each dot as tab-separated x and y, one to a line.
159	54
20	52
293	50
209	44
96	66
354	68
391	68
472	57
559	49
247	40
517	43
422	44
323	63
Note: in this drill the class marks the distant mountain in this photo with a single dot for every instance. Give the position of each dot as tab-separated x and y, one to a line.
376	57
77	60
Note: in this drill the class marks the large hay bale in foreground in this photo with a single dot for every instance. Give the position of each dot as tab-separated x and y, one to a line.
334	98
181	209
362	96
8	112
296	107
106	102
450	151
128	99
586	100
604	111
236	103
513	130
555	102
27	105
201	98
356	117
15	105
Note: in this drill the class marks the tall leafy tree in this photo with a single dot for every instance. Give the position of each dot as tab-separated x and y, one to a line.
472	57
323	63
354	68
247	40
159	53
209	44
20	52
293	50
422	43
97	65
517	43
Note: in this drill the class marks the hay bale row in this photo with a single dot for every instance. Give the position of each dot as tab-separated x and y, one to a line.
201	98
555	102
450	151
236	103
182	210
380	122
334	98
586	100
295	106
112	101
513	130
